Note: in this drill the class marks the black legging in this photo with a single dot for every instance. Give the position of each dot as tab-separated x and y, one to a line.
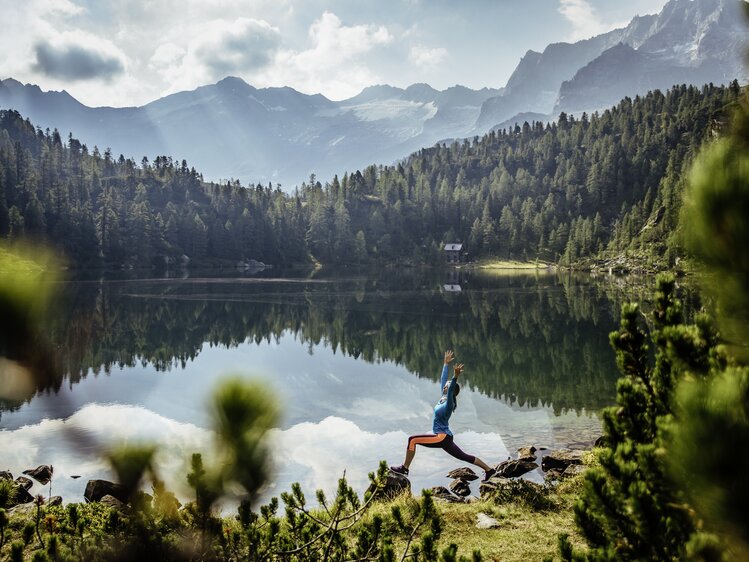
440	441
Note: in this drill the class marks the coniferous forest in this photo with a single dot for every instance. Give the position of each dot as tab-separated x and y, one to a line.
664	481
580	189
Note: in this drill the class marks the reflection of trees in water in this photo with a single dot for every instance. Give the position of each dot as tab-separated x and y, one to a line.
530	340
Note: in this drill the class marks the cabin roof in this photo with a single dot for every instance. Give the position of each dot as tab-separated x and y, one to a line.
453	247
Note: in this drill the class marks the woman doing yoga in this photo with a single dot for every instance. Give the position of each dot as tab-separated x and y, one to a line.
442	438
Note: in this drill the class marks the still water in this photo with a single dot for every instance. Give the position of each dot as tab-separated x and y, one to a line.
353	358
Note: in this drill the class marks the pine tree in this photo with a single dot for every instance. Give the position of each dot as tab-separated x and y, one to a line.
713	426
630	509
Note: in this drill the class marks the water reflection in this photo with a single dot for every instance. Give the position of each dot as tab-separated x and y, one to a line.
531	340
138	359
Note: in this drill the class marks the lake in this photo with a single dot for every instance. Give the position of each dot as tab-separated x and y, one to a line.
353	357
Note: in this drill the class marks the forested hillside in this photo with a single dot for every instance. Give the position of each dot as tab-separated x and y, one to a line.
587	187
590	187
100	209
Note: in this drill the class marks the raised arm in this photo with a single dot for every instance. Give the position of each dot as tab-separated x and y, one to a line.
453	382
449	356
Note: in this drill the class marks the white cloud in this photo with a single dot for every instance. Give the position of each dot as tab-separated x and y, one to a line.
251	49
223	47
426	56
332	64
317	46
165	56
244	44
58	7
77	55
584	19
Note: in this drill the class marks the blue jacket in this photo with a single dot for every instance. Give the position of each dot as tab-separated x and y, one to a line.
444	408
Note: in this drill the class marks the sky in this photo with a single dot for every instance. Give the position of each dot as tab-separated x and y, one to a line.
127	52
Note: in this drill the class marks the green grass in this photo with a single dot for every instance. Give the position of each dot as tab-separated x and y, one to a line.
496	264
524	533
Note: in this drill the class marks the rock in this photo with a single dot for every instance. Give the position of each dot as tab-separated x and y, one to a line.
42	473
464	473
54	500
573	470
20	495
443	494
506	490
395	484
75	476
561	459
484	521
23	509
527	453
460	488
553	474
486	488
97	489
513	469
24	482
5	475
602	441
114	503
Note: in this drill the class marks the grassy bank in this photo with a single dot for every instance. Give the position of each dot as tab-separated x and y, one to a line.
499	265
528	529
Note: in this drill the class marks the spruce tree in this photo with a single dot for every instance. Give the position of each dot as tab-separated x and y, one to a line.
710	436
629	508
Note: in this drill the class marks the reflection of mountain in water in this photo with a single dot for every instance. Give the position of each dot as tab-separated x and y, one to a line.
529	340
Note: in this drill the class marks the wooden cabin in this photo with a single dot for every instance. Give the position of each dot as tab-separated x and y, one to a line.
453	253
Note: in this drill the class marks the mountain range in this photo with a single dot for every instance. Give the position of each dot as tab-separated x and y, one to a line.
232	130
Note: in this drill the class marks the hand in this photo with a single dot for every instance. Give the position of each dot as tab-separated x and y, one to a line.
449	356
458	369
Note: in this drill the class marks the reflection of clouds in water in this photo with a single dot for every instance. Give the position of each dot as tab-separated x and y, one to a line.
320	451
338	412
106	425
382	409
315	454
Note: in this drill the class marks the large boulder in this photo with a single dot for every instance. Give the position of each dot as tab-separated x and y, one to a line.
460	488
42	473
395	485
553	474
24	483
487	487
573	470
513	469
443	494
114	503
463	473
23	509
561	459
54	500
97	489
506	490
20	495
